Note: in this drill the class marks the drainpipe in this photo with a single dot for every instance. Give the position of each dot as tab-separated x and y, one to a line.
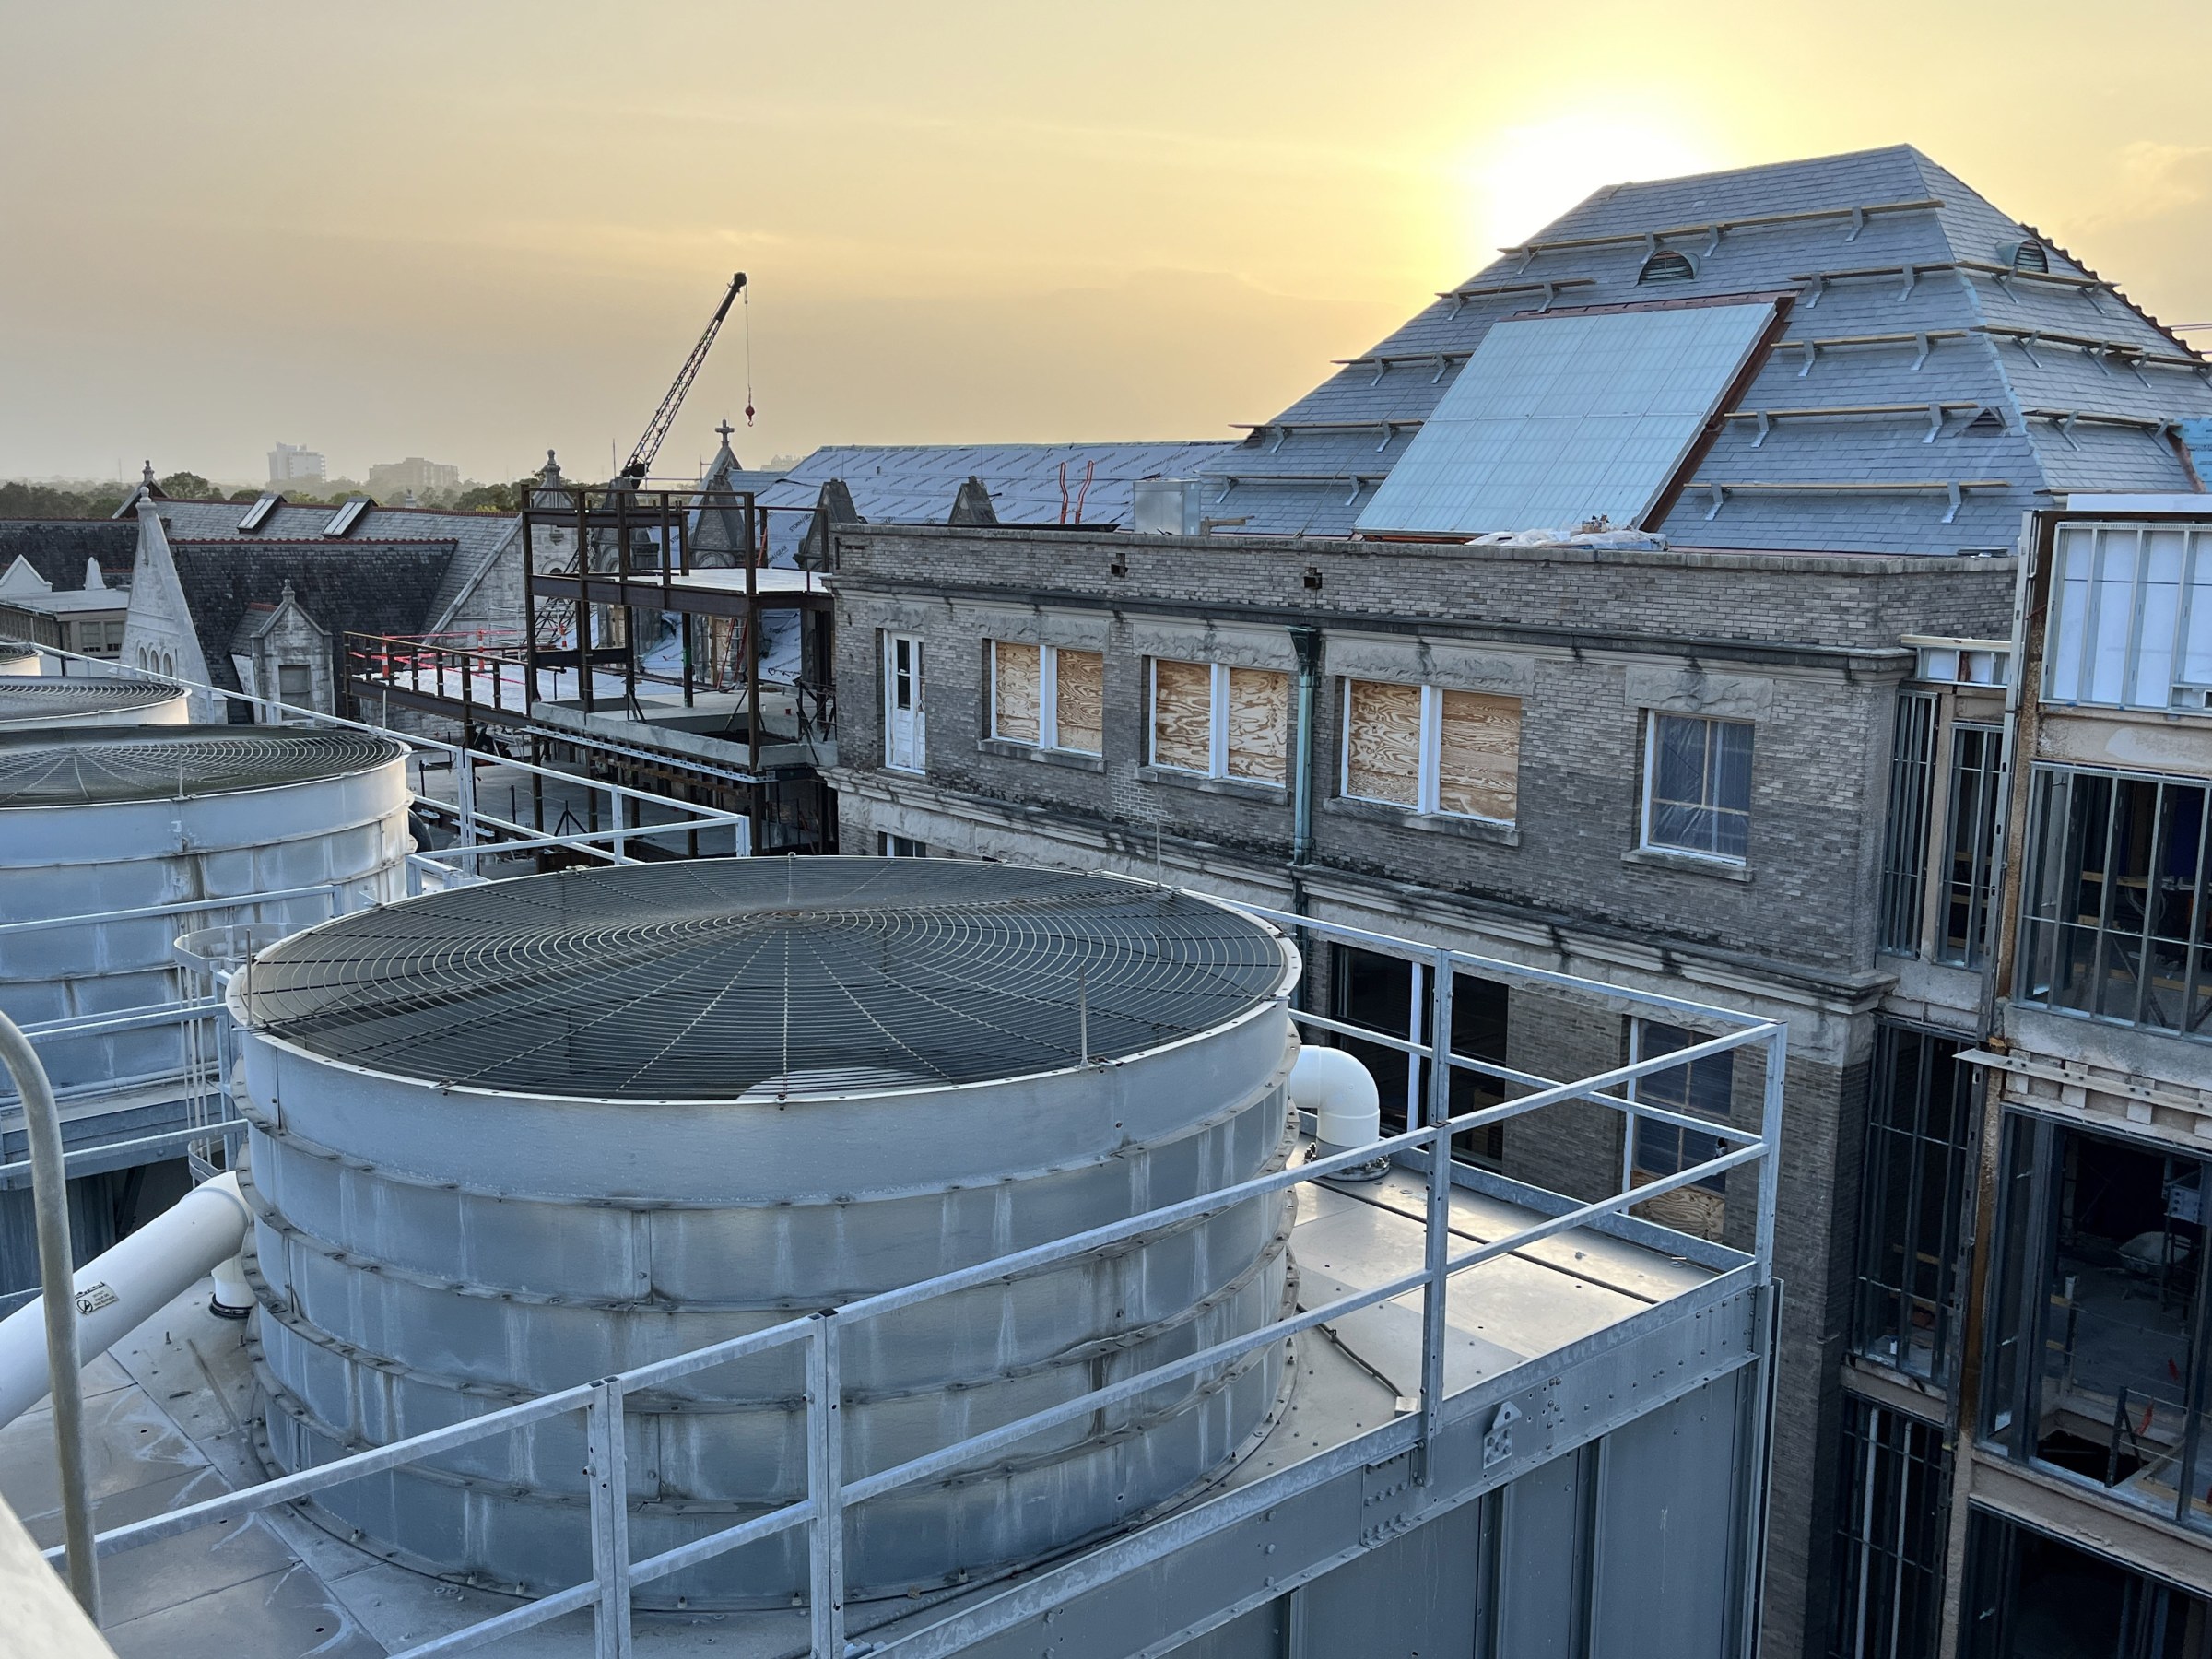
50	1197
1306	641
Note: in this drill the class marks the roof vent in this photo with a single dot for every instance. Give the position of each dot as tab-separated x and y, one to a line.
1668	265
2029	255
1986	421
258	514
343	520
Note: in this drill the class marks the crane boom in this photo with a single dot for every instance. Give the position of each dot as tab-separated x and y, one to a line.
656	431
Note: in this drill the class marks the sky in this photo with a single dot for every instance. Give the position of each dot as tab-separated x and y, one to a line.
474	232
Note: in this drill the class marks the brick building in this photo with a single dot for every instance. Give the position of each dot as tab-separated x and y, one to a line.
1730	722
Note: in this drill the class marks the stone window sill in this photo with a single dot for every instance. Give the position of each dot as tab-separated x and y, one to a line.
1434	823
1694	864
1014	750
1242	789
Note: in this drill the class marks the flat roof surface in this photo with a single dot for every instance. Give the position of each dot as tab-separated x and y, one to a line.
171	1410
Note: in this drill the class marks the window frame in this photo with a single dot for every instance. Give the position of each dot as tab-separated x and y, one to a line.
1891	1551
1908	820
1632	1133
1650	770
1428	779
2076	634
1899	1110
1048	696
917	677
1217	724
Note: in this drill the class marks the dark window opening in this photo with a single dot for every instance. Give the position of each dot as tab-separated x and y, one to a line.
1905	840
1380	993
2116	925
1702	1088
1889	1535
1970	887
2100	1367
1916	1169
2031	1596
1667	266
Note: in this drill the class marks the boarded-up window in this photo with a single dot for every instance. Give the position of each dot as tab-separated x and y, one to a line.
1432	750
1382	742
1478	754
1016	681
1183	715
1259	725
1079	699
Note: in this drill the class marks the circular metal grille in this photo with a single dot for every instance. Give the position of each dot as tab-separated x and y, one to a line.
83	766
716	978
26	701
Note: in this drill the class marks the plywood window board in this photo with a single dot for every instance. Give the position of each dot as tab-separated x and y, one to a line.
1017	691
1079	701
1259	725
1183	715
1455	753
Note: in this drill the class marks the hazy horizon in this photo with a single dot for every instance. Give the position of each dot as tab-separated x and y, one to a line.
475	233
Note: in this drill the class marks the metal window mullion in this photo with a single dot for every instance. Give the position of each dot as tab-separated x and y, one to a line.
2132	655
2192	954
2192	1386
1954	1171
2036	1260
2151	894
1650	753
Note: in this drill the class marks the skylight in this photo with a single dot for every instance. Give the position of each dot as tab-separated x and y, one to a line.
347	516
1557	420
258	514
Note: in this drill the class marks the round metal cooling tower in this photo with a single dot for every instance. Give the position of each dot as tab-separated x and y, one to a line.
85	699
116	817
521	1136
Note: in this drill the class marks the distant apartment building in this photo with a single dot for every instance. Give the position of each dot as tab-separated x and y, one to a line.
1642	610
388	479
292	463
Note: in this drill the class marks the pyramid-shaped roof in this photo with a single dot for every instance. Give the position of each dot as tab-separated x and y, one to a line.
1943	366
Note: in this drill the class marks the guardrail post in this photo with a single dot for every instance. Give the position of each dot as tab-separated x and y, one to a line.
610	1520
825	1482
621	805
1437	1241
464	805
1769	1132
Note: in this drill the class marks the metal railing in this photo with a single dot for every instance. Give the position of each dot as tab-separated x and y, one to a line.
829	1492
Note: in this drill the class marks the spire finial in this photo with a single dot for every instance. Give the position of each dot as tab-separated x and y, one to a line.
148	476
725	429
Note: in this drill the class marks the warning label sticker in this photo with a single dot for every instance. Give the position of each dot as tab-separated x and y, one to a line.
94	1297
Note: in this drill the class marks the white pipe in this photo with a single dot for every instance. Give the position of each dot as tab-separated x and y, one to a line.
119	1291
1347	1108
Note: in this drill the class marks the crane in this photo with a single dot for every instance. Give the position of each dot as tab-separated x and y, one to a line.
656	431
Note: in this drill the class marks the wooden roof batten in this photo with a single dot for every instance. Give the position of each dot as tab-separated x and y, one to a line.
1715	230
1720	489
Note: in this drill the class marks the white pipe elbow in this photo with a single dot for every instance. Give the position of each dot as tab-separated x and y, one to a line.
1341	1094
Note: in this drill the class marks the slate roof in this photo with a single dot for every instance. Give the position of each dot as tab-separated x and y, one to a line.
388	587
2079	408
917	484
58	550
472	540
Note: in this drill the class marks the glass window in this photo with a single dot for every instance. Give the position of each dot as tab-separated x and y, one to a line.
1889	1535
2104	1246
904	732
1390	994
1969	884
1917	1123
1698	786
2131	617
1430	749
2029	1596
2116	925
1905	840
1702	1088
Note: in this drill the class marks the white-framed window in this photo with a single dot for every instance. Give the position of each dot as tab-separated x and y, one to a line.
1048	695
2130	623
1430	749
903	728
1218	721
1702	1088
899	846
1697	786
